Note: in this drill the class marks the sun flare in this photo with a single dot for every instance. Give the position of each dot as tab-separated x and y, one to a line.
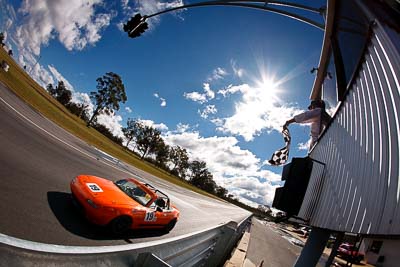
268	88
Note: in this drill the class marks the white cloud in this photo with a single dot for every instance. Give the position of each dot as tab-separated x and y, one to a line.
181	128
125	4
112	122
238	71
74	22
209	93
304	146
159	126
171	4
218	74
38	72
41	75
258	109
152	6
230	165
209	109
233	89
8	25
163	102
128	109
250	190
7	16
83	98
201	97
59	77
196	97
149	7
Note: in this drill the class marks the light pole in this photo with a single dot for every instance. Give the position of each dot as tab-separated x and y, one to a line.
138	25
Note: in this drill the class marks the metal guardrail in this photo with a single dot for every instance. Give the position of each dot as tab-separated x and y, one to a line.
209	247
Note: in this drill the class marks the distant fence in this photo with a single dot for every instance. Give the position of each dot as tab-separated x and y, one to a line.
209	247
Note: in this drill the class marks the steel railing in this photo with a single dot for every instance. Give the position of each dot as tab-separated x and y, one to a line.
209	247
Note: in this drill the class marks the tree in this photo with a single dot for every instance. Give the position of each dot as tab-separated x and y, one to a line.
179	157
221	192
2	38
162	152
147	140
201	177
52	91
106	132
79	109
110	92
63	95
132	130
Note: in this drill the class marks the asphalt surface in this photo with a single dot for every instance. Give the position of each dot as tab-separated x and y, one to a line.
276	245
38	159
268	246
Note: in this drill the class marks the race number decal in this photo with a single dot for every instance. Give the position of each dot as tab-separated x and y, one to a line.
150	216
94	187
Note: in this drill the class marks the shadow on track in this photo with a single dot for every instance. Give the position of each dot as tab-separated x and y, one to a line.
74	221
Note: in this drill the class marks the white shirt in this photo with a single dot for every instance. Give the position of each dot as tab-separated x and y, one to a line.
314	118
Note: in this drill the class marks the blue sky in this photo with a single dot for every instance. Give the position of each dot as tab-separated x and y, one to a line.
219	81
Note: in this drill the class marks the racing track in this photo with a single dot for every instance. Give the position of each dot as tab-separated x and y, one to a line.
38	159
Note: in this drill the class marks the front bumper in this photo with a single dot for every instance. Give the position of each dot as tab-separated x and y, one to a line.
93	215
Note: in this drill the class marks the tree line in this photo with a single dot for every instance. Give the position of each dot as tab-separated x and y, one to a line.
147	141
2	44
141	139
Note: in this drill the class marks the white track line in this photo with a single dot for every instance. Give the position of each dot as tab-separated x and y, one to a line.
60	140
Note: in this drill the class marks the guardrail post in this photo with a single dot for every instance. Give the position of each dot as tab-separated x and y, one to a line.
224	244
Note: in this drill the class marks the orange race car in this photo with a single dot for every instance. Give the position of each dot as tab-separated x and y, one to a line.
122	205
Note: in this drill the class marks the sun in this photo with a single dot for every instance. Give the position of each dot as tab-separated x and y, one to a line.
268	88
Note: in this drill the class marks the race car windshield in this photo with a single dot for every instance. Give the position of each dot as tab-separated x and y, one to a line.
133	191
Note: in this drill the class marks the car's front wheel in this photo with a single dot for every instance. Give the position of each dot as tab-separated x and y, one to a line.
120	225
170	225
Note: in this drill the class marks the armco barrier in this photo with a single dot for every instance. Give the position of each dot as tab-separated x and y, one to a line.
209	247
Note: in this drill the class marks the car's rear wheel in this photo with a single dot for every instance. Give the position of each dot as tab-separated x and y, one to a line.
120	225
170	225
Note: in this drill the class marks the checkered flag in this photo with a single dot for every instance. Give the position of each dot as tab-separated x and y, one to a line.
281	156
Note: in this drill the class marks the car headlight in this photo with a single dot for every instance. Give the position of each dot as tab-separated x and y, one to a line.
91	203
